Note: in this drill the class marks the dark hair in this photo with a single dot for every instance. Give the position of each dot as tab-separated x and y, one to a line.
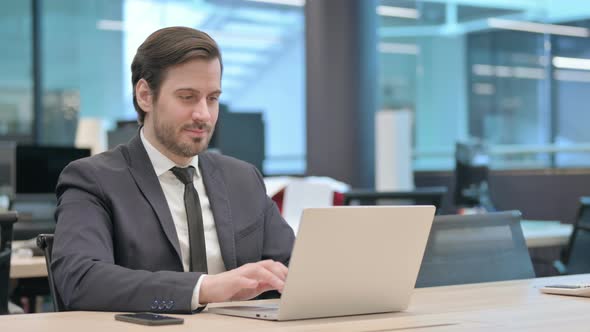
166	48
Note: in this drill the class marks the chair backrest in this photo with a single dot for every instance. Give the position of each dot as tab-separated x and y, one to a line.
418	196
576	258
7	219
45	243
466	249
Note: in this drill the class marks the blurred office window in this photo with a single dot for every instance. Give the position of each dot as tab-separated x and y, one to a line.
262	45
82	66
87	48
515	74
509	94
16	80
571	91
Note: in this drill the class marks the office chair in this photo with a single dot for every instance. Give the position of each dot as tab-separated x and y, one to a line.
575	257
45	243
465	249
7	219
418	196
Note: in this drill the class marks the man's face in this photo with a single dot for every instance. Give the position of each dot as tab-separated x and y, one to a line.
184	116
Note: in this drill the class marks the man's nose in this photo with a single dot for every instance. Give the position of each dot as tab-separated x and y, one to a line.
201	111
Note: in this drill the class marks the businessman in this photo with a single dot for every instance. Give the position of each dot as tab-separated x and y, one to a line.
160	224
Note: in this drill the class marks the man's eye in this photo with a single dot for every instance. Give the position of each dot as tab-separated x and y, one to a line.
186	97
213	98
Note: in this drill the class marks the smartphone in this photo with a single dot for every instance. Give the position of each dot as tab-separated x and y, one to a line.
146	318
571	289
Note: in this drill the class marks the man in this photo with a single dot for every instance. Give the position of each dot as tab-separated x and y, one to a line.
159	224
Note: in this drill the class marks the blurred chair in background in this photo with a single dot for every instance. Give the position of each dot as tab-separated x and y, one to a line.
465	249
7	219
576	256
45	243
471	176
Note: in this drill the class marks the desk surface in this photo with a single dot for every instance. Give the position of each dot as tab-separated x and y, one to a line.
498	306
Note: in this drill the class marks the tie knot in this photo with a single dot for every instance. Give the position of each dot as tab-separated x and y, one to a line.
185	175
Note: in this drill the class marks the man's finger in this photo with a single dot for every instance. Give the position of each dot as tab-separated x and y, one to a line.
262	274
277	268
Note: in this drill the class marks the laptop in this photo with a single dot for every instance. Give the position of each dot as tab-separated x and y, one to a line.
349	260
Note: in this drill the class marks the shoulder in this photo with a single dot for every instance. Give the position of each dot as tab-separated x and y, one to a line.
226	163
111	160
89	172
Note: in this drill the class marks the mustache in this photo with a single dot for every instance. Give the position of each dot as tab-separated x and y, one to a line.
198	126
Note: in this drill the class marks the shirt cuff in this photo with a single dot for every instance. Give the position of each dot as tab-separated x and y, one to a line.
195	299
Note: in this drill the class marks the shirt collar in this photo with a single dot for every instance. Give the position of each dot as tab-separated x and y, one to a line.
161	163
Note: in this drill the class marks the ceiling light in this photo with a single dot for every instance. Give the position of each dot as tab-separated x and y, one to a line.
398	48
571	63
295	3
398	12
554	29
110	25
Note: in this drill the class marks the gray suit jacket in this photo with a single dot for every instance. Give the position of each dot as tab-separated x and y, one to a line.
116	247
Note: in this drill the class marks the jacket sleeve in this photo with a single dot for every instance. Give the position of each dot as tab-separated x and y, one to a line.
84	268
278	235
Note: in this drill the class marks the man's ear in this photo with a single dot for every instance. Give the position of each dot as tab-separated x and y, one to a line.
143	94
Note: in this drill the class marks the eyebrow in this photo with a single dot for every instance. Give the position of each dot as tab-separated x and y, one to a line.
218	92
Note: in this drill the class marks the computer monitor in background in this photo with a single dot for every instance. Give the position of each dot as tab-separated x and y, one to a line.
39	167
122	134
37	171
240	135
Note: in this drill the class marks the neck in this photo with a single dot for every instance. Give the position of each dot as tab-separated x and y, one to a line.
150	135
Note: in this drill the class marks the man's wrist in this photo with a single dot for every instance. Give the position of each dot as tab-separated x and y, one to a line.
196	300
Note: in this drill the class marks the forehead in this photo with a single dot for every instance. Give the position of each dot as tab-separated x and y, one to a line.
199	74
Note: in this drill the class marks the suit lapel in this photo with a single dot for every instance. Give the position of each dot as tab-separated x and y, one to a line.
144	175
218	198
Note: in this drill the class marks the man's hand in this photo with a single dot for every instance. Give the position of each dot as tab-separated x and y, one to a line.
243	283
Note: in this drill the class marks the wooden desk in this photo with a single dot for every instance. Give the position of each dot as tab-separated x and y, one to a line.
498	306
30	267
539	233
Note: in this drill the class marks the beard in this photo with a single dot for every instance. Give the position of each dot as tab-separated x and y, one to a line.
167	135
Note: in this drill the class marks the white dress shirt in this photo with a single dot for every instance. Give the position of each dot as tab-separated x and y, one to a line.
174	193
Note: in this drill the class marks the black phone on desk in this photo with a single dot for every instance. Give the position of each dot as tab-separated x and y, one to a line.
146	318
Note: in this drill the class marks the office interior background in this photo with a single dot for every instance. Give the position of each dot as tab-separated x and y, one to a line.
464	68
458	65
511	75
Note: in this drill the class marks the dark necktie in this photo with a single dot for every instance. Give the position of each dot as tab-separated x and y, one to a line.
194	216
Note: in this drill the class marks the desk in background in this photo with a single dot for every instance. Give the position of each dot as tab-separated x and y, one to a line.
539	233
497	306
29	278
27	267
